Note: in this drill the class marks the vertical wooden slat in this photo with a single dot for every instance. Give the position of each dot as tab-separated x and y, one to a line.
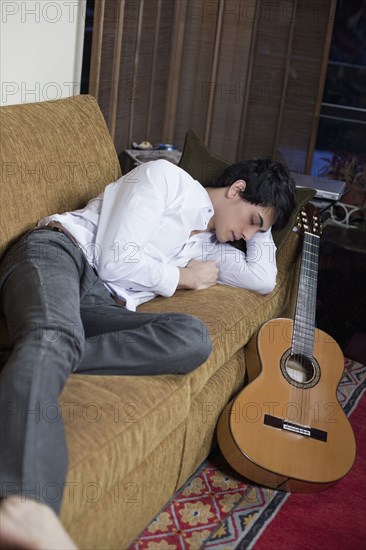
214	68
322	77
116	67
96	49
135	69
153	69
285	79
177	48
251	60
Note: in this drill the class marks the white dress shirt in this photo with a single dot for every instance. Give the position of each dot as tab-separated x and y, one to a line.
137	233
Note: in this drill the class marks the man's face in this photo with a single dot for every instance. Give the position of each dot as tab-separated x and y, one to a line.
236	218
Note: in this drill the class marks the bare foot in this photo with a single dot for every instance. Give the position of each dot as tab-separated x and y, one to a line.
30	525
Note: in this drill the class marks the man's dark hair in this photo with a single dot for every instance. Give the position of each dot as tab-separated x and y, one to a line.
267	184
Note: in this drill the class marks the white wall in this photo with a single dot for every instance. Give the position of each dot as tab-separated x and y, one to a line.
41	46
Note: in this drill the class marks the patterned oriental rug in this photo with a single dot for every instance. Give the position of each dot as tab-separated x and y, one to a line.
216	510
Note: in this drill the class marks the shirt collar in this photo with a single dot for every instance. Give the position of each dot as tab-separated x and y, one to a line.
206	210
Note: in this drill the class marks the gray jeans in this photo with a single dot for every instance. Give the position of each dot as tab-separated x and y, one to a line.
61	319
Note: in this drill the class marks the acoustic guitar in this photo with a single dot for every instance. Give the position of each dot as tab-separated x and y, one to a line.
286	428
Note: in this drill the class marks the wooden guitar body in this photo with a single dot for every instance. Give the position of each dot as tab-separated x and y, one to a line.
289	437
286	429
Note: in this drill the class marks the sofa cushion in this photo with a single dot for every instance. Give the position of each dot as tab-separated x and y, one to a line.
205	409
112	424
199	161
112	519
203	165
54	157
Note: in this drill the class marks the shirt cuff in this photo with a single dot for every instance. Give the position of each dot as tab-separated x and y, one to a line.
169	281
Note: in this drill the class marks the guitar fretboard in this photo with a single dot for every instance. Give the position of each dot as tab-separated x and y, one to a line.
304	324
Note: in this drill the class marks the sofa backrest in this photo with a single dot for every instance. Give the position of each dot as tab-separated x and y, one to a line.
54	157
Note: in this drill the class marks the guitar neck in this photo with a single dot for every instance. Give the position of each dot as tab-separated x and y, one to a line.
304	323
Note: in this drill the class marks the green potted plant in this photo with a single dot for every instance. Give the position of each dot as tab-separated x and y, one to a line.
350	168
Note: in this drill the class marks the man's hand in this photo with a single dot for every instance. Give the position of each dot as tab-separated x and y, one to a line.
198	275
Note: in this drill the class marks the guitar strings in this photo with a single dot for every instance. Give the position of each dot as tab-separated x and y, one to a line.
304	324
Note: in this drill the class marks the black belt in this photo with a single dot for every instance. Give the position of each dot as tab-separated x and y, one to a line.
51	228
59	229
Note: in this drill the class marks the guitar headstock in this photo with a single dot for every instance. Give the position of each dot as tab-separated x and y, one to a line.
308	220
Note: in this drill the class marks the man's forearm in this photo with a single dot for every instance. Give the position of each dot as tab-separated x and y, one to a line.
186	279
197	275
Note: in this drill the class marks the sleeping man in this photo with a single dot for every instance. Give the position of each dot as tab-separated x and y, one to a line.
69	293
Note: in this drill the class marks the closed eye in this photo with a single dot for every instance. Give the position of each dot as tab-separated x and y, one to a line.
259	221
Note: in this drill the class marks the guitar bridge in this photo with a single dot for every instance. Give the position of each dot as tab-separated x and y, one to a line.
302	430
282	424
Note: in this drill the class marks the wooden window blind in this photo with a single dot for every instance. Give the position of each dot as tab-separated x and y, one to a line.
245	75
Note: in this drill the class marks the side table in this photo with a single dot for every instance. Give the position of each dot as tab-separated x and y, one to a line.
129	158
350	242
341	310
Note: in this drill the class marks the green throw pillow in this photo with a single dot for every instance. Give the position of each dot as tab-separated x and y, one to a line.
204	166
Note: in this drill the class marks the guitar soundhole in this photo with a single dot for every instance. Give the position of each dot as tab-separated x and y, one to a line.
299	370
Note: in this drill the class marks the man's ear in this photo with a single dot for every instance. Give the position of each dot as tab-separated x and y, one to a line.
233	190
